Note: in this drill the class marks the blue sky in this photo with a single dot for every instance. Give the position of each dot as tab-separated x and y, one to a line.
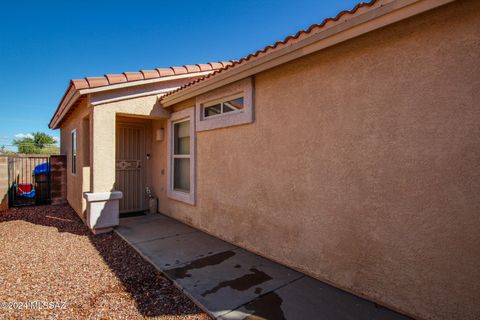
44	44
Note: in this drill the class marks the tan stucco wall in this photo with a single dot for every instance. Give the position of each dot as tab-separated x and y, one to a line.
99	148
78	183
96	137
362	167
104	124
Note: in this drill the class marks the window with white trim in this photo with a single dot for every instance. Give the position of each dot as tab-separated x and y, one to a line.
213	109
181	156
231	105
74	150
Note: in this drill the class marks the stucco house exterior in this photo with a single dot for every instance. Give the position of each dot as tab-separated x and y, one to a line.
349	151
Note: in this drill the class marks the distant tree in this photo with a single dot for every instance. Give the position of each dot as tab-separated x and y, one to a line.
39	143
26	145
5	152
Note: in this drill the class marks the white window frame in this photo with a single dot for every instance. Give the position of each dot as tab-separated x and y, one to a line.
242	88
221	102
180	116
73	146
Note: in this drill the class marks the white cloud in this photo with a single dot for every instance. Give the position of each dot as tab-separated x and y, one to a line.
23	135
57	139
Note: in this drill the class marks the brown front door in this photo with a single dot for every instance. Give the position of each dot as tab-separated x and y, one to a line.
130	164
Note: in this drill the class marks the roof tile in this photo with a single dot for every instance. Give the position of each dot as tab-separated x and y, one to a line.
226	64
94	82
133	76
80	84
192	68
150	74
216	65
109	79
179	70
165	72
116	78
204	66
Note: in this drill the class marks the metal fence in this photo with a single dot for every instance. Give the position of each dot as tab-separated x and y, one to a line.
29	180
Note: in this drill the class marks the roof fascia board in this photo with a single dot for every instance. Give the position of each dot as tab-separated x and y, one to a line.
353	27
67	103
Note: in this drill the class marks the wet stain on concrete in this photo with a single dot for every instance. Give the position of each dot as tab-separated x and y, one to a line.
196	283
183	272
237	266
267	307
258	290
242	283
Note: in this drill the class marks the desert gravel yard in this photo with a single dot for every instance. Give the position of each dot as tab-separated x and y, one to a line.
47	255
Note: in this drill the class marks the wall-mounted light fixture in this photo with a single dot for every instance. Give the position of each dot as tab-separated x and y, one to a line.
159	134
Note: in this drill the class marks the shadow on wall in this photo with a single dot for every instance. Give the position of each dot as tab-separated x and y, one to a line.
154	294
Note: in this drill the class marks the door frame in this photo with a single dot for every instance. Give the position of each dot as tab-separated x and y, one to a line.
143	169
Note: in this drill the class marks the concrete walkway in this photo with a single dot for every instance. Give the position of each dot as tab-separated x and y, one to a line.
231	283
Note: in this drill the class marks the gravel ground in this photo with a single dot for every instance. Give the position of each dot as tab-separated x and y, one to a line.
48	255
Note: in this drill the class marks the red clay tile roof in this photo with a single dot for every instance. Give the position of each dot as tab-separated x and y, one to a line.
110	79
302	34
217	67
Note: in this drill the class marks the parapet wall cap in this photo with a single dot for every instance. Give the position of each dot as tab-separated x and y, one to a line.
102	196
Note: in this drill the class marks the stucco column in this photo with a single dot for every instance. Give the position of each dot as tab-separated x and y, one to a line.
102	149
103	199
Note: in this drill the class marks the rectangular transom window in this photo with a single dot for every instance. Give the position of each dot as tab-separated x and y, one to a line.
228	106
219	108
74	151
181	156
